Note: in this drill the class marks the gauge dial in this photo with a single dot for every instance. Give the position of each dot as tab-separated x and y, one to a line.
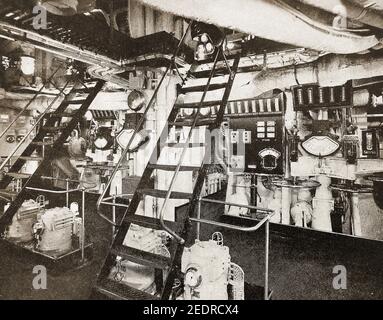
322	146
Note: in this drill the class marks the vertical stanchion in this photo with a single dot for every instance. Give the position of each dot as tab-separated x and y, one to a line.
83	226
114	215
67	193
267	245
199	217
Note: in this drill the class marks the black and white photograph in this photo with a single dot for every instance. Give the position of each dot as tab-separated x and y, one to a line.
193	156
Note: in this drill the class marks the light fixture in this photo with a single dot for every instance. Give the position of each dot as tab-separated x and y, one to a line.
136	100
60	7
27	65
208	38
104	139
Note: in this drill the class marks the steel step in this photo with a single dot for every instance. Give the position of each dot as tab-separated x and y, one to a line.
144	258
30	158
200	74
188	123
162	194
78	101
18	175
62	115
53	129
183	145
167	167
8	194
119	291
196	105
147	222
201	88
41	143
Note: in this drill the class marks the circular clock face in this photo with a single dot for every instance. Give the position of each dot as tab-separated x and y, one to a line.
320	146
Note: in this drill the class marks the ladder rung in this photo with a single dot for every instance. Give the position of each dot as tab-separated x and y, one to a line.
188	123
194	105
62	115
120	291
183	145
200	74
201	88
18	175
30	158
78	101
142	257
167	167
41	143
162	194
8	193
147	222
53	129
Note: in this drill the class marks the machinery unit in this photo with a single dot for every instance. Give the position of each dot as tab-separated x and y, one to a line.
56	228
21	228
133	274
209	273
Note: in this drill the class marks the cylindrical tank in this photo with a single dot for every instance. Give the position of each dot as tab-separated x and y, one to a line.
21	228
56	230
323	204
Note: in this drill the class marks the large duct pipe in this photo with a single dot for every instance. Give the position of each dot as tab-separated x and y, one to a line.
269	19
330	70
360	10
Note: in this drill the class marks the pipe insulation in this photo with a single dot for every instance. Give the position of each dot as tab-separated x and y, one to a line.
329	70
269	19
360	10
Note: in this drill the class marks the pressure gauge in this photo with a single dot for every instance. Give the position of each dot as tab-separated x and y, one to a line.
320	146
193	278
269	158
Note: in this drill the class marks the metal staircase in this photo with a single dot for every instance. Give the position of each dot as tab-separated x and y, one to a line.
73	108
167	268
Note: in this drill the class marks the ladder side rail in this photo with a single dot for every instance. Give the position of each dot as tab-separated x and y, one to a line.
30	148
28	104
166	292
16	204
183	153
137	129
40	118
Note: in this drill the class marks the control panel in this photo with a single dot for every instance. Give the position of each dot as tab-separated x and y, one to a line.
257	140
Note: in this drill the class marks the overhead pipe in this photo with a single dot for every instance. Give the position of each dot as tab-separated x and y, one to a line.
360	10
269	19
329	70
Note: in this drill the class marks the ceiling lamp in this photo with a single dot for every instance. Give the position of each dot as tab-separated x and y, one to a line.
208	38
104	139
68	7
136	100
60	7
27	65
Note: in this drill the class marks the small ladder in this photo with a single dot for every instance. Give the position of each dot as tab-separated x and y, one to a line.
73	108
166	268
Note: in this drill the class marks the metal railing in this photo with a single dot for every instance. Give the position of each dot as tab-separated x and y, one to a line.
264	221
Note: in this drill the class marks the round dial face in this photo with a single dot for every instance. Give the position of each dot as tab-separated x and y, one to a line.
322	146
